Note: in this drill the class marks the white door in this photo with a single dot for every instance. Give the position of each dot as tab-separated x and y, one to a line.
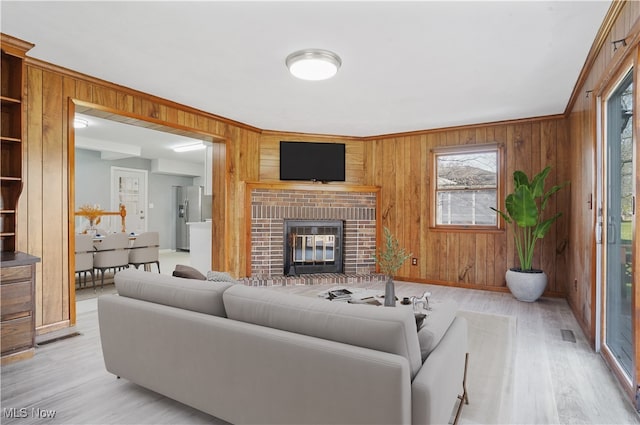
129	187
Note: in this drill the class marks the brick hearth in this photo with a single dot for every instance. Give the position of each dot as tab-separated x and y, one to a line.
313	279
271	206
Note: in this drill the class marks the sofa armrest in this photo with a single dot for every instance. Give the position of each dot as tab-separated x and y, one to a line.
244	373
436	387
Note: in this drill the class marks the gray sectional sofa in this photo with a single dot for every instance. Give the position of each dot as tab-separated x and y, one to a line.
255	356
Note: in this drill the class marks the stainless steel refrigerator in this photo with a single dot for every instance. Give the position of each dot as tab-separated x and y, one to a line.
192	206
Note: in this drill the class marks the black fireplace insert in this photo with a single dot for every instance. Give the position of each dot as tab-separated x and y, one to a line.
313	246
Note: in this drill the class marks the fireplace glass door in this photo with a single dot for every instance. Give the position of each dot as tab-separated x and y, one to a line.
313	247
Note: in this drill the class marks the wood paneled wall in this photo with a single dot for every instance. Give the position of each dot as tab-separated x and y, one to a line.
270	154
43	210
402	166
582	124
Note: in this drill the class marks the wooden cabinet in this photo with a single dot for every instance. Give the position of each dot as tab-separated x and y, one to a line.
17	269
12	77
17	310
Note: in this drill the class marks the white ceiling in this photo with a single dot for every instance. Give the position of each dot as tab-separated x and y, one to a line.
117	140
406	66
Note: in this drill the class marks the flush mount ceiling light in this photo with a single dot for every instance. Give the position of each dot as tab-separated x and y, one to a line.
189	147
313	64
80	123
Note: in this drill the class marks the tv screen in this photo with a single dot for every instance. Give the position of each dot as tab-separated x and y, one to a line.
312	161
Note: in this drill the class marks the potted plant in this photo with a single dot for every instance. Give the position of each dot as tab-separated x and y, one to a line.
390	258
525	207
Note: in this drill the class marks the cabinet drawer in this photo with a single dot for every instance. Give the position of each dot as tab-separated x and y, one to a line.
11	274
16	334
16	299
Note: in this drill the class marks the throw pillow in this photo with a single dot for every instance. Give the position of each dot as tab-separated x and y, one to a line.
188	272
216	276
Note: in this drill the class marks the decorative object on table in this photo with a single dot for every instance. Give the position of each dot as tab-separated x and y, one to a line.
339	294
421	303
390	258
525	207
93	213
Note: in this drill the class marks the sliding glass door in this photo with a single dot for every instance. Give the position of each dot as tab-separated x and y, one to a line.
620	172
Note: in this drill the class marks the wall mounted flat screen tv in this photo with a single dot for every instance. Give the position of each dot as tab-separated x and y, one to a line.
312	161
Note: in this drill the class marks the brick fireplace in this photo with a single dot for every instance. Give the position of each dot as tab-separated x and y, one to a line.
274	203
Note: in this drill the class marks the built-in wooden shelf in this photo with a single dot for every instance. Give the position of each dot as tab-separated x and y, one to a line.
17	269
11	93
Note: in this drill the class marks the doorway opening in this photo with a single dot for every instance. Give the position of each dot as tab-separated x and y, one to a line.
127	166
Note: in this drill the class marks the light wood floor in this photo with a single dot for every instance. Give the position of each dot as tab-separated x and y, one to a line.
555	381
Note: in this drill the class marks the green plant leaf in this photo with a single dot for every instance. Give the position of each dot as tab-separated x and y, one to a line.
522	207
506	218
520	179
543	228
391	257
547	195
537	183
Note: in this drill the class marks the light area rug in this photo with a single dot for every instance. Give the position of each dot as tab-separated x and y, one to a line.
490	373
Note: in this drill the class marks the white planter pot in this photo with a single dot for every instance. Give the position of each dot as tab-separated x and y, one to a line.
526	286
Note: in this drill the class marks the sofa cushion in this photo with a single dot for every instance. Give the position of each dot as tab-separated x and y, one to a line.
188	294
188	272
391	330
435	326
